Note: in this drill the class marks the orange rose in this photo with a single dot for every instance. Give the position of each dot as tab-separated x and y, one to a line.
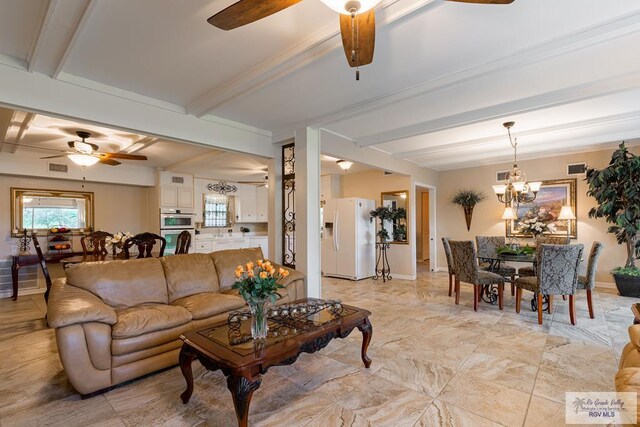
281	271
250	265
285	273
250	273
271	270
260	263
238	274
263	275
239	268
267	264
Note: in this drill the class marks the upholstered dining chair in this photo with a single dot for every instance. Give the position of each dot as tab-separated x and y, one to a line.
447	253
557	275
145	243
95	243
43	265
183	242
588	282
465	262
528	270
488	249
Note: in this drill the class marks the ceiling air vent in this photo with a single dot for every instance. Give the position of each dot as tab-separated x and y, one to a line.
502	176
576	169
388	173
56	167
177	180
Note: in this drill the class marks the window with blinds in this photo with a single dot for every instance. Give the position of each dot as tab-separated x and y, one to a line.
216	210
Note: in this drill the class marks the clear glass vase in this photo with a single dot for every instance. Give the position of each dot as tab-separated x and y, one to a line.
259	324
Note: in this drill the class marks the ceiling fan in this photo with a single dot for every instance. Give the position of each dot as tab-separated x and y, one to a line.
357	22
85	153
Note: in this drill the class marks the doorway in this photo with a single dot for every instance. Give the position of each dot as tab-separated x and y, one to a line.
425	226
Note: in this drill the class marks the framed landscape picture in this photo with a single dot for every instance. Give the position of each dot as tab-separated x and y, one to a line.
546	207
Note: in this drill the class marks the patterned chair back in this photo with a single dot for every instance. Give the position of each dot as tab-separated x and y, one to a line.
558	268
553	240
447	253
145	243
592	265
95	243
488	245
465	261
183	242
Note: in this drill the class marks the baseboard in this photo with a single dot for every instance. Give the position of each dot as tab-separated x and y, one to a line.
402	276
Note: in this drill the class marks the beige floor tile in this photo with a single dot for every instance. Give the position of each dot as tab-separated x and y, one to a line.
444	414
500	370
544	413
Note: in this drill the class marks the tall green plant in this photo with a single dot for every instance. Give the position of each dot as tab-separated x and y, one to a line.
616	189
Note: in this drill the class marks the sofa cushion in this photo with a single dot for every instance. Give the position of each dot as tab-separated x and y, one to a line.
189	274
142	319
226	262
121	284
209	304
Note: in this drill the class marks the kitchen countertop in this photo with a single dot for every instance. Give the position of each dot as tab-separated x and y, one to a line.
226	236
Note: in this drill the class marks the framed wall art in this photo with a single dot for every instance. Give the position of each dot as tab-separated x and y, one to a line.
546	208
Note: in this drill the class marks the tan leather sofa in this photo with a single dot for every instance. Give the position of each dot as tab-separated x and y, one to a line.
119	320
628	376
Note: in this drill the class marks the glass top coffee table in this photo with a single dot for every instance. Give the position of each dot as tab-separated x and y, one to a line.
228	346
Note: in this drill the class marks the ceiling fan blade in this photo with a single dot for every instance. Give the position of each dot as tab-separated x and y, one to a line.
247	11
361	52
484	1
72	145
53	157
110	162
121	156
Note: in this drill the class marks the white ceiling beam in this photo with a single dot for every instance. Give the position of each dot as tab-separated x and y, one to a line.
561	45
74	38
530	104
633	116
21	129
6	120
34	53
195	160
313	48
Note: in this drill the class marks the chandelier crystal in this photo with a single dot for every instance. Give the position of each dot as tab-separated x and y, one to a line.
516	188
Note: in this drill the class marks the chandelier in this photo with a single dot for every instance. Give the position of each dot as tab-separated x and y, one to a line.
516	188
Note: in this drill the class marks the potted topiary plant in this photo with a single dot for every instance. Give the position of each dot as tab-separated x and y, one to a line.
616	189
383	213
468	199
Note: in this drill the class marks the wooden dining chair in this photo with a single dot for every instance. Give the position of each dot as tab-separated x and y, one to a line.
465	261
145	243
529	270
95	243
557	275
447	253
43	265
183	242
588	282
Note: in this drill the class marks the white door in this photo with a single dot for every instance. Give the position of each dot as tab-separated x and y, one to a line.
346	238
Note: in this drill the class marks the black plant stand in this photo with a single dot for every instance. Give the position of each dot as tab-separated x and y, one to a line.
382	262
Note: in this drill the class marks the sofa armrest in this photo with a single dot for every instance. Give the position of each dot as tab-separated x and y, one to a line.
634	335
292	277
69	305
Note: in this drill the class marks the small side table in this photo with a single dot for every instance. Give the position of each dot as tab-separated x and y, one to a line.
382	262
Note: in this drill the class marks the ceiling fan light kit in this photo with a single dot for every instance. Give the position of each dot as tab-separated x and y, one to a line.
344	164
83	160
351	6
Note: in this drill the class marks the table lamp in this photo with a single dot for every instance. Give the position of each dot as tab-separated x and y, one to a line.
509	214
567	214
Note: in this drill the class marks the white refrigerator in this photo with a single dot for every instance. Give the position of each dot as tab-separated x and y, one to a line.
348	239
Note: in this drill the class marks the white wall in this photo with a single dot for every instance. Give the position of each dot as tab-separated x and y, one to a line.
486	216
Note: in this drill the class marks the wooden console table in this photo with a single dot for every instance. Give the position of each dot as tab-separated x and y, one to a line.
19	261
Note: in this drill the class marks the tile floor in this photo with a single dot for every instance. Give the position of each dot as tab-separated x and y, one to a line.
434	363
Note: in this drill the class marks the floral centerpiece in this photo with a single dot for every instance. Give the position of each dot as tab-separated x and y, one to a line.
117	241
258	285
535	226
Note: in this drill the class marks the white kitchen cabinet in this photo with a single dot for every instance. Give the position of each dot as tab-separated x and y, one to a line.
176	190
262	204
224	244
246	208
202	246
262	242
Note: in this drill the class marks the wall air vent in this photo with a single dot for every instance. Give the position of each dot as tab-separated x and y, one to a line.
502	176
576	169
56	167
388	173
177	180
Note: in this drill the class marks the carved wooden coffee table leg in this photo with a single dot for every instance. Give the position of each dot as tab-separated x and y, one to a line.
186	357
241	390
366	330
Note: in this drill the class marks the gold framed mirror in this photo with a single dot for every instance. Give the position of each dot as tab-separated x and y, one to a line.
398	228
39	210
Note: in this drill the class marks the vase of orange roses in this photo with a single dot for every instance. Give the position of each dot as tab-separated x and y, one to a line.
258	285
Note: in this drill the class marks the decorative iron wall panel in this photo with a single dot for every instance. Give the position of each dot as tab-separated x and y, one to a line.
288	205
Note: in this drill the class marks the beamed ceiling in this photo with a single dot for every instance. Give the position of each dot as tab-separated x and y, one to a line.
445	75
